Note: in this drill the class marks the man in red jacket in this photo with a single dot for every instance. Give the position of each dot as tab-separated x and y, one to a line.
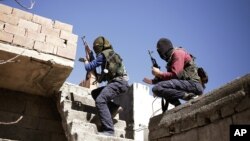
181	80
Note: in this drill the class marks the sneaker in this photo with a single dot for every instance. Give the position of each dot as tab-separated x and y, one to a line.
116	111
105	133
188	96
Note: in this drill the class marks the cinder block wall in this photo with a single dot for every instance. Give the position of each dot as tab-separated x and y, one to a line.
29	118
207	118
43	50
35	32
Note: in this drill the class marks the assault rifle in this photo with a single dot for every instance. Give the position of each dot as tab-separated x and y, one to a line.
155	80
164	103
88	82
153	60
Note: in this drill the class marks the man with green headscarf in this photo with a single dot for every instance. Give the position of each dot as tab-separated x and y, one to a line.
112	71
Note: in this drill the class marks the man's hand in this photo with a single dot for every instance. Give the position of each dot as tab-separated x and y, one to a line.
156	72
148	81
84	60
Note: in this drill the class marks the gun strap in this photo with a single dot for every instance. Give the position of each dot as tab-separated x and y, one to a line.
164	104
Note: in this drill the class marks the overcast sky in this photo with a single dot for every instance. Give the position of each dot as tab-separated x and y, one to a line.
217	32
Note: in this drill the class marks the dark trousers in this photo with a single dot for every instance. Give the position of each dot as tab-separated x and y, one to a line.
103	99
174	89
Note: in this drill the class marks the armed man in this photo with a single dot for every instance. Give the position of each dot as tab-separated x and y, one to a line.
180	81
112	71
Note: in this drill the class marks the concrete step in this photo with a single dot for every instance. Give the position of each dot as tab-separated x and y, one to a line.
7	140
68	105
76	126
71	115
79	116
85	136
79	127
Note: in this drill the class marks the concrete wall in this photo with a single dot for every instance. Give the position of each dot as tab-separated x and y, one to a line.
29	118
79	116
37	53
207	118
138	108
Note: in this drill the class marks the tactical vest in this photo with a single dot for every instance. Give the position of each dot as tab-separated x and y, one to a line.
113	67
190	70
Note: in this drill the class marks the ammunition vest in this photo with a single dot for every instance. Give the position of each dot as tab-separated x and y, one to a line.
189	72
113	66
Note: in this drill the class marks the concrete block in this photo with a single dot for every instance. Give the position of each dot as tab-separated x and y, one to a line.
55	41
65	105
84	99
85	136
5	9
43	21
243	104
11	132
6	37
215	116
23	41
58	137
228	110
44	47
163	139
159	133
50	126
34	135
67	52
9	118
70	115
71	38
1	139
29	122
78	126
79	106
75	89
22	14
32	108
242	117
11	105
63	26
36	36
190	135
216	131
9	19
14	29
48	110
29	25
188	122
50	31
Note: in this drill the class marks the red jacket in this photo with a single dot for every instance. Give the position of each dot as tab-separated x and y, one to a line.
179	58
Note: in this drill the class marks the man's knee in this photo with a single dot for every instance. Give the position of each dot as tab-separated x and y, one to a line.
155	89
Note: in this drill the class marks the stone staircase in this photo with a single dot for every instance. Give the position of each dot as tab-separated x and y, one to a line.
79	116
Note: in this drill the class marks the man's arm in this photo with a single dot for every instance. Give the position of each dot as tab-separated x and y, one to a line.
100	59
178	61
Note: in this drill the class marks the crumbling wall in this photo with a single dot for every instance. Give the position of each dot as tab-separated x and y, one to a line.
207	118
80	118
29	118
36	53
